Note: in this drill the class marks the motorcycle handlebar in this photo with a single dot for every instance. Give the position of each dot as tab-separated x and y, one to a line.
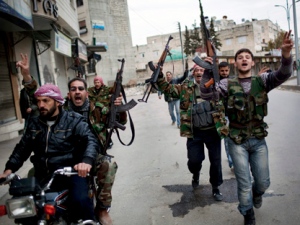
9	178
67	171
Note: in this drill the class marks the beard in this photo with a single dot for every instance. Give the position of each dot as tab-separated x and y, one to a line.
47	114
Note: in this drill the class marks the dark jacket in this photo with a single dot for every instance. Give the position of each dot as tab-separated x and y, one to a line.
67	142
27	102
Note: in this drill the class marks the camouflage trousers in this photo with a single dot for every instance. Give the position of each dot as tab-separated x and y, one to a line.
106	170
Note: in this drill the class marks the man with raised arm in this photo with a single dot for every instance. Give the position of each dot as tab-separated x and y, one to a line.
247	98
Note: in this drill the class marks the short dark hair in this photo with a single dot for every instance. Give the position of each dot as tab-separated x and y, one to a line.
241	51
169	72
77	79
223	64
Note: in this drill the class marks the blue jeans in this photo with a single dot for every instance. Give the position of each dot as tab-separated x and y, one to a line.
172	105
195	150
250	157
81	205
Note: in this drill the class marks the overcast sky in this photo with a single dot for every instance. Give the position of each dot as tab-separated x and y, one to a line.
155	17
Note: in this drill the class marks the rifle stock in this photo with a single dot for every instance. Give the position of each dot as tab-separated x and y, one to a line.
156	71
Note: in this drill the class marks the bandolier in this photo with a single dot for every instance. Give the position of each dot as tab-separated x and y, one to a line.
247	111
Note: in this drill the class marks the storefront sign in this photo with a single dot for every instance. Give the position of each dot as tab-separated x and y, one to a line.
61	43
98	24
46	8
81	50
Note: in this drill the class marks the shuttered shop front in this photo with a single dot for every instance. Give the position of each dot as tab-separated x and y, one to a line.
7	106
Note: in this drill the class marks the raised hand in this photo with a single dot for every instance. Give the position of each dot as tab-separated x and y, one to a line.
24	65
263	70
287	45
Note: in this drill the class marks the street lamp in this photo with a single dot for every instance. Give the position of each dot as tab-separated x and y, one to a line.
287	10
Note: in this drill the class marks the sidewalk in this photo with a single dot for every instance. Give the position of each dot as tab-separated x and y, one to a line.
290	84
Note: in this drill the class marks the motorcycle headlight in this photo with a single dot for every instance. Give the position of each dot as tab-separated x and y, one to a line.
20	207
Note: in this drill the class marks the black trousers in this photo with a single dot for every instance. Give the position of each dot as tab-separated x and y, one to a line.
196	154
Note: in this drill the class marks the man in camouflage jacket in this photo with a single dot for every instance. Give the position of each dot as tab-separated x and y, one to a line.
96	114
197	136
247	100
99	98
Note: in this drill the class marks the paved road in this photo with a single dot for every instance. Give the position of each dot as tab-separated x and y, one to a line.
153	184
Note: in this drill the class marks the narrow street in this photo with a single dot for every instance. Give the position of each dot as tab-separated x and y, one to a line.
153	184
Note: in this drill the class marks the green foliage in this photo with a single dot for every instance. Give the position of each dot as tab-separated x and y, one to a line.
186	44
192	40
214	35
276	44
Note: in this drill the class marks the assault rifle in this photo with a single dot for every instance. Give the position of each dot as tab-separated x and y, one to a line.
112	123
211	52
156	71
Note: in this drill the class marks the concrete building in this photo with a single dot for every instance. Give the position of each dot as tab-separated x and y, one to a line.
106	23
253	35
44	30
250	34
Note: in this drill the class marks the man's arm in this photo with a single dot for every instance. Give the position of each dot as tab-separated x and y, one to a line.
91	151
19	155
173	90
179	80
24	65
273	80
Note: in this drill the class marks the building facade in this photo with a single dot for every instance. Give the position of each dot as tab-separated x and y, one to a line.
106	23
44	30
253	35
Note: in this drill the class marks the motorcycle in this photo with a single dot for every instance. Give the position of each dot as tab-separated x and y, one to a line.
32	204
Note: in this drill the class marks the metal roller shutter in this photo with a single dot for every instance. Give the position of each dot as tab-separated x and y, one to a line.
7	106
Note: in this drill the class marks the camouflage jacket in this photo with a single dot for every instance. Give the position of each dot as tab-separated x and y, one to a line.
246	112
99	111
185	92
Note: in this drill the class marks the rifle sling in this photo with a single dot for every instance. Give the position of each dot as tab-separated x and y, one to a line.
131	123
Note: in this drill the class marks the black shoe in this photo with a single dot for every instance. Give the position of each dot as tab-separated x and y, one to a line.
195	184
249	218
217	194
257	200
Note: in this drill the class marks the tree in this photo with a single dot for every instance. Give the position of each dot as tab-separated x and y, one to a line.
192	40
186	45
214	35
276	44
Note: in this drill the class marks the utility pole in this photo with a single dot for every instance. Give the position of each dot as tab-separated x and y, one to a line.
296	42
179	27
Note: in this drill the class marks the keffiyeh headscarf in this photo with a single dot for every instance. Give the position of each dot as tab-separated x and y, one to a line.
98	78
51	91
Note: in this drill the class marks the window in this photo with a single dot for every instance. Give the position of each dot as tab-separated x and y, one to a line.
155	53
228	41
79	3
242	39
142	55
82	27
